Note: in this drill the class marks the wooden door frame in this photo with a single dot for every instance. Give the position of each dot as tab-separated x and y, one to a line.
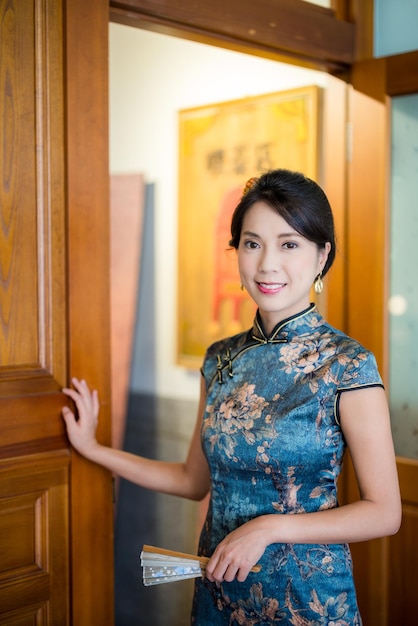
88	203
87	185
87	122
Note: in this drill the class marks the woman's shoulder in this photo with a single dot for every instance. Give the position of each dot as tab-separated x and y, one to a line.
229	344
341	339
221	353
356	363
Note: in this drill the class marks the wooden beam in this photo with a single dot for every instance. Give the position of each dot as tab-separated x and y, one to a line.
395	75
291	30
402	74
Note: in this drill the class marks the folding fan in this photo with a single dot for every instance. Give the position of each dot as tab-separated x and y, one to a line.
166	566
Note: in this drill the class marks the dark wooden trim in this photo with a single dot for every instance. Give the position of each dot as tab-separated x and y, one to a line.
395	75
369	77
402	74
87	117
361	13
287	29
341	9
51	444
408	470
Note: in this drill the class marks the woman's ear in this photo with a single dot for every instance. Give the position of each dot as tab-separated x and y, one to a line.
324	252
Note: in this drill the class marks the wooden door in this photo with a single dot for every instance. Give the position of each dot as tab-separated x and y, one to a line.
56	548
386	570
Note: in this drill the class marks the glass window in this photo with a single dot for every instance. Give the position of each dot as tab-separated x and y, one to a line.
403	302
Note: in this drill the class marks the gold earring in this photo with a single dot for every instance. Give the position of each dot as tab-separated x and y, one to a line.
318	284
241	287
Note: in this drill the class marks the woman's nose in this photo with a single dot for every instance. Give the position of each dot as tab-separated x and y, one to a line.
269	260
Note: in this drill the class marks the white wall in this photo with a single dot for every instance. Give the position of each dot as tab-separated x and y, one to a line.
152	77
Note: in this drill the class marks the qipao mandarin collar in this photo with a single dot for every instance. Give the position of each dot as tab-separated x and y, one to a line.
296	324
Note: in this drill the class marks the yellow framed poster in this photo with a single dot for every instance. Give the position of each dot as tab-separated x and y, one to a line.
221	146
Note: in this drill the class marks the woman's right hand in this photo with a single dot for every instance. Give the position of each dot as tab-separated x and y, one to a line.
82	431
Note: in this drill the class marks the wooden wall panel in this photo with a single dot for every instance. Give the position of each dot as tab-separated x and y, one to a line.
367	226
366	285
403	552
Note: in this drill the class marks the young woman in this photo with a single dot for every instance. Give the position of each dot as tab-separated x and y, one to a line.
279	404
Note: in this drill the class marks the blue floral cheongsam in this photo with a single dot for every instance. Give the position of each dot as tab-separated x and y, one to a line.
273	442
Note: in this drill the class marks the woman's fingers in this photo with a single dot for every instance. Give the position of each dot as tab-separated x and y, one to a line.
67	414
234	557
81	424
228	571
84	399
95	396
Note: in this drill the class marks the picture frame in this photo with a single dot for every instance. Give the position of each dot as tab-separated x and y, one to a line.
221	146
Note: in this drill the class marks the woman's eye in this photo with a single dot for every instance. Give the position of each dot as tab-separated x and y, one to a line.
290	245
251	244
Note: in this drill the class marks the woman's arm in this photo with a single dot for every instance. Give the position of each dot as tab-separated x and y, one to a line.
366	425
189	479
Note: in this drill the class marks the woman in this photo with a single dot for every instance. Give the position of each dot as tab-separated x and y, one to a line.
279	404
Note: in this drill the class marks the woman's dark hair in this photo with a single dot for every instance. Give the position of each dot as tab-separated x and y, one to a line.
298	200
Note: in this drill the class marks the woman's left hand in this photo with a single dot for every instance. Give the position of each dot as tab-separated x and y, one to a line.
238	552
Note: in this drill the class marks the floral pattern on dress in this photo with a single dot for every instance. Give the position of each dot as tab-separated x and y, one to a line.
237	414
274	446
260	610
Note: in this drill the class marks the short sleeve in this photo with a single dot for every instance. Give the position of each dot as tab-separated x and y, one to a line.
361	371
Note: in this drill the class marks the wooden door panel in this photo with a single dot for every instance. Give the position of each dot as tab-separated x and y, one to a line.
49	326
34	569
32	338
34	512
32	255
19	181
34	538
33	616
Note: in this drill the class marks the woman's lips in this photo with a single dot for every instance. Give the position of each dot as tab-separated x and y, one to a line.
270	288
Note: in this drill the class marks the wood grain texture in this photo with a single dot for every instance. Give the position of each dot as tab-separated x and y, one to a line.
303	31
34	538
32	330
89	298
34	476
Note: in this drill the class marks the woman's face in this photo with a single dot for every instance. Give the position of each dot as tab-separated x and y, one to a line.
277	265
